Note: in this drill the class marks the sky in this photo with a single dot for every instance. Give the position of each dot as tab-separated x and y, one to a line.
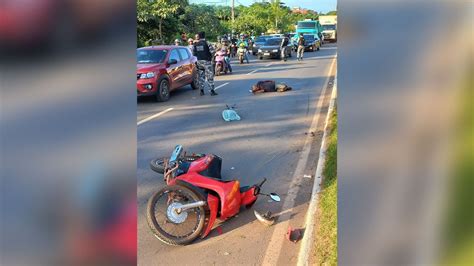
317	5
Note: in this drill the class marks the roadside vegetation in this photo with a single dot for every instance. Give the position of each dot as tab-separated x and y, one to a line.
326	227
459	217
162	21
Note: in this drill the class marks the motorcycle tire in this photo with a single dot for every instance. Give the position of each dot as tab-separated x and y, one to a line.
159	232
158	164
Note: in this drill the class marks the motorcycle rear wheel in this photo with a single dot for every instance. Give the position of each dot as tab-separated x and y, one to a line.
162	225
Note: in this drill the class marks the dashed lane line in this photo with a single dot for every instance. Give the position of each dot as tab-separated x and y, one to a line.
220	86
252	72
154	116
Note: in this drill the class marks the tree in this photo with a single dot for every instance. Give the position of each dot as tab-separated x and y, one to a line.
197	18
157	10
164	20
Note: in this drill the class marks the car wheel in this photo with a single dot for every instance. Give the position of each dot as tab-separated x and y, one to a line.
163	93
260	58
195	82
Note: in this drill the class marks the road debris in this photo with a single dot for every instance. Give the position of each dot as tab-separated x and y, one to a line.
266	218
294	235
232	168
226	253
308	176
230	114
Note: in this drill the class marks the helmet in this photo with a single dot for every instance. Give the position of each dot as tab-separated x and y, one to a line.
242	45
176	41
190	40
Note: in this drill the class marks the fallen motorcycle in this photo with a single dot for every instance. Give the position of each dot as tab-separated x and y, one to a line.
194	197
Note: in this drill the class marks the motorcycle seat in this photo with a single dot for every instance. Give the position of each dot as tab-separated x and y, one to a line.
245	188
214	169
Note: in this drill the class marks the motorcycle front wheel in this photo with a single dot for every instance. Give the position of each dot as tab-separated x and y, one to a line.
168	226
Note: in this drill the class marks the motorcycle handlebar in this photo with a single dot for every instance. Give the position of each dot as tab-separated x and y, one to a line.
261	183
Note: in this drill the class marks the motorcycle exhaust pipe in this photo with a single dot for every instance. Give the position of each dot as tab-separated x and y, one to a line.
190	206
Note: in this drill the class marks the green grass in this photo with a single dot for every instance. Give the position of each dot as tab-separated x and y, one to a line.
326	228
458	228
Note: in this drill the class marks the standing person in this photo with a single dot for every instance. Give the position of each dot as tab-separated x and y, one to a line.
184	37
301	43
177	42
283	47
203	51
191	44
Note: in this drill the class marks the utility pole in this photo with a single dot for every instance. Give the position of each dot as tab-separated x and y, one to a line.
233	17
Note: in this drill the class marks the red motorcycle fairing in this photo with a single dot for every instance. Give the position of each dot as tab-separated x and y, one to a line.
248	197
228	192
213	203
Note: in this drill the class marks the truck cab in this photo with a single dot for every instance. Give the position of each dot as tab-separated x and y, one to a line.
329	25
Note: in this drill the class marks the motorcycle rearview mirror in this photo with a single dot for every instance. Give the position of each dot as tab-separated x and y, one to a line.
275	197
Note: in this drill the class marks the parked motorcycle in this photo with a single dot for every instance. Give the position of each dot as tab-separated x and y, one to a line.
195	195
221	64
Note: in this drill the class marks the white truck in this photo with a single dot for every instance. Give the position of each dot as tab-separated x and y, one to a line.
329	24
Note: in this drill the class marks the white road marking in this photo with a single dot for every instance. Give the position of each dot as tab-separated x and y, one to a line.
269	65
321	57
252	72
276	242
307	241
154	116
220	86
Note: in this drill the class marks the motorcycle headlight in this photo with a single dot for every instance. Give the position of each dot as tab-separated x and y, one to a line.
259	50
147	75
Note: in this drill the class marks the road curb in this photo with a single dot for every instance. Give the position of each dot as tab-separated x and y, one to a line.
307	241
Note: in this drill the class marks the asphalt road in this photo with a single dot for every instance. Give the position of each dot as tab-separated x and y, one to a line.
272	140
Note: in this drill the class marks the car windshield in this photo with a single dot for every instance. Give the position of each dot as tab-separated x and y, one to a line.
329	27
307	25
261	39
309	37
145	56
273	41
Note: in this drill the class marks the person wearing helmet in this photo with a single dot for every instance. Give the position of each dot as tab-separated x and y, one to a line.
245	44
191	44
204	53
226	48
177	42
